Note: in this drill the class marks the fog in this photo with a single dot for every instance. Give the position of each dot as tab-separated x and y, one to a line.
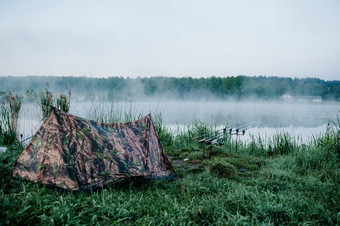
216	101
302	120
269	114
160	88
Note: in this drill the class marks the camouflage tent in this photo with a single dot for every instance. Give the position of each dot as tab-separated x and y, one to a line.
73	153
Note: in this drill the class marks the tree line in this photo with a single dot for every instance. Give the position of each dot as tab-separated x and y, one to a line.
237	87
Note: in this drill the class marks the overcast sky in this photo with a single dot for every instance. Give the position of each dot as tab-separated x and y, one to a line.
290	38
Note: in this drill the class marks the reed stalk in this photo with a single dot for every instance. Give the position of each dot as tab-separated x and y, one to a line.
9	115
14	106
46	103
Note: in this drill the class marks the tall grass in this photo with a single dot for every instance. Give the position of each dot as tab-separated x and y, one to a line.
321	156
14	107
111	112
9	115
284	143
296	184
272	196
164	133
7	136
63	102
47	102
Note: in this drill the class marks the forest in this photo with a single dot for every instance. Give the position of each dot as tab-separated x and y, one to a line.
185	88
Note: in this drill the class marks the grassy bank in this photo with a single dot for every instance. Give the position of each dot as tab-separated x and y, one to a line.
294	184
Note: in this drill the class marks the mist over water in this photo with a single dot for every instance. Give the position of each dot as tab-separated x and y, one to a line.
302	120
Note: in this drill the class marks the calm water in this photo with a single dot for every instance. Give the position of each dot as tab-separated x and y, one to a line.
302	120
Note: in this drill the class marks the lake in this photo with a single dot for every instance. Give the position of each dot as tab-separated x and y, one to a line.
302	120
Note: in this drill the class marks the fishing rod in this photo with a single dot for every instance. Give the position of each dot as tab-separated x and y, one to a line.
219	136
236	125
209	138
252	126
241	129
229	127
256	124
207	134
246	126
217	141
237	132
240	126
212	137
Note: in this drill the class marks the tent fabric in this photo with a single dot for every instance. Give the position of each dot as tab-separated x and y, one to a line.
73	153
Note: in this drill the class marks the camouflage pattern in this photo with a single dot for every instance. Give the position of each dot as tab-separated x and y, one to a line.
73	153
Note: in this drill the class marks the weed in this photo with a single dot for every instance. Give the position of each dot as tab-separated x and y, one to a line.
283	144
63	102
14	106
222	169
9	115
46	103
297	186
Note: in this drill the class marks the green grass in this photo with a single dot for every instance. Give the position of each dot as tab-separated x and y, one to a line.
297	184
47	102
9	121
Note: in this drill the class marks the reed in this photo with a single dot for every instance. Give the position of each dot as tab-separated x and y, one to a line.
111	112
164	133
7	136
63	102
283	143
9	115
46	103
14	107
297	185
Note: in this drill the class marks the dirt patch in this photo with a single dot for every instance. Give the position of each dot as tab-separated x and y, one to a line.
187	165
